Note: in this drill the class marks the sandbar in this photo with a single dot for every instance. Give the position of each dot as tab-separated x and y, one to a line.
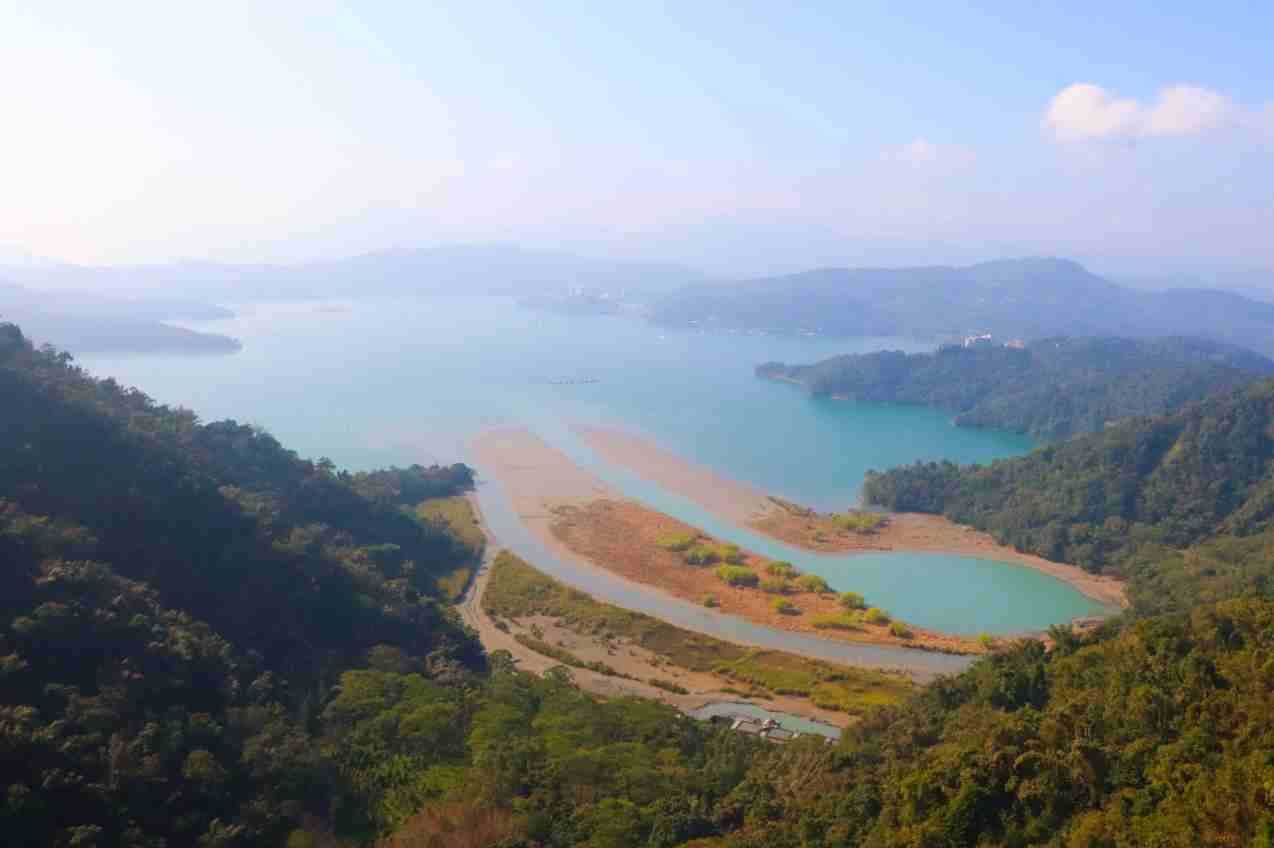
580	519
632	660
745	505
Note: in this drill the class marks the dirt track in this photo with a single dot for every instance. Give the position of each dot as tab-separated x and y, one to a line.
626	658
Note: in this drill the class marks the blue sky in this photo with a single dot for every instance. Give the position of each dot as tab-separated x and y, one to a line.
734	136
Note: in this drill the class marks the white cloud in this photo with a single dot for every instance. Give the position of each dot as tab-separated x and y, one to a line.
1189	110
916	152
921	152
1084	111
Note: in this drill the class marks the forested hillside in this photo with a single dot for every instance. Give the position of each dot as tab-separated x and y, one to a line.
175	602
1030	298
1168	500
208	641
1154	734
1051	389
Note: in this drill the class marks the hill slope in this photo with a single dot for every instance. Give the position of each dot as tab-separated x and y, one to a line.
83	322
175	601
1052	388
207	641
1017	298
1182	503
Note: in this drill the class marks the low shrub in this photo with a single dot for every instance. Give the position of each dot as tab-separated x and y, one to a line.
784	606
860	522
876	615
776	586
732	554
900	630
780	568
735	575
711	601
677	542
813	583
836	621
852	601
701	555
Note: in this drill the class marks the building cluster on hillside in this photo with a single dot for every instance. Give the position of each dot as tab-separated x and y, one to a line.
768	729
986	340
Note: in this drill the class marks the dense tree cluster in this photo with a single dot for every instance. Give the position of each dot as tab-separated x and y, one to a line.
176	601
1156	733
1051	389
567	768
1106	499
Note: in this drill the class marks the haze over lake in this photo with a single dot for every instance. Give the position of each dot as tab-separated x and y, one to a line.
377	382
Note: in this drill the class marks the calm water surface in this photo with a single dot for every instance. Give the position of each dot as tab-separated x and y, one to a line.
381	382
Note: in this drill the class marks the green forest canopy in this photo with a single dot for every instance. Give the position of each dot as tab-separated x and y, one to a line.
1052	388
205	640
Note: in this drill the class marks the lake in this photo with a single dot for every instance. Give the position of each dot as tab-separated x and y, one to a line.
377	382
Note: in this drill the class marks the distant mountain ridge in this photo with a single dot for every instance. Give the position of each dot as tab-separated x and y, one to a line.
56	304
454	269
1012	298
1051	389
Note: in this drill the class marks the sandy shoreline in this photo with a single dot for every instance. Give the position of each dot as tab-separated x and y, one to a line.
734	500
745	505
540	482
625	534
629	659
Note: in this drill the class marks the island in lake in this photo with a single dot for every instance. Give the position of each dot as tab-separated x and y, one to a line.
1051	388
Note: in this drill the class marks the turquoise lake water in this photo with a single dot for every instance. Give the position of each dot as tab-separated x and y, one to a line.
379	382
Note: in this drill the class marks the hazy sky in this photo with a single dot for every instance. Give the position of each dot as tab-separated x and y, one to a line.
727	135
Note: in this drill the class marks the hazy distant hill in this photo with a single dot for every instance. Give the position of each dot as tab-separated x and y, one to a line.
1052	388
85	322
459	269
1026	298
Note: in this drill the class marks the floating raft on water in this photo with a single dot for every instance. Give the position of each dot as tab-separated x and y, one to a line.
566	381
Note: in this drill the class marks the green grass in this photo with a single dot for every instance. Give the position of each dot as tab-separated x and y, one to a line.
847	690
516	590
456	514
564	656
